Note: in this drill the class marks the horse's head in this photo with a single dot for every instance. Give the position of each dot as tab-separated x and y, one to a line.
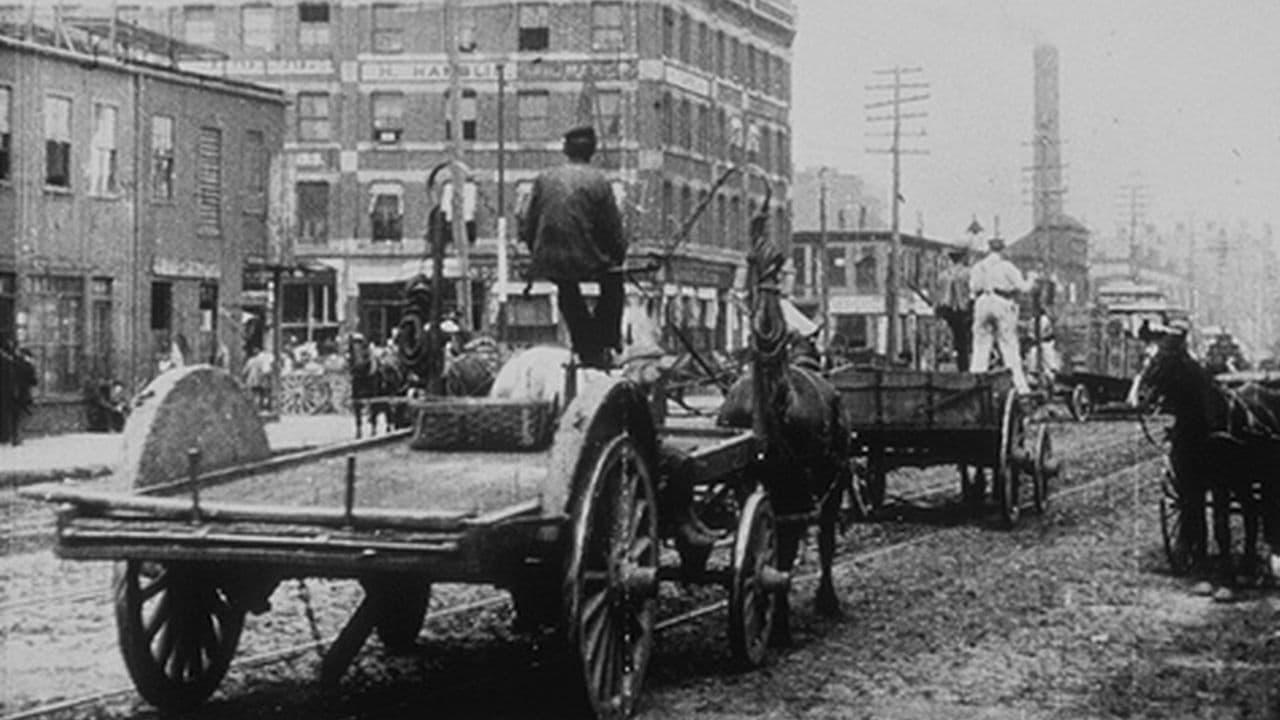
1168	368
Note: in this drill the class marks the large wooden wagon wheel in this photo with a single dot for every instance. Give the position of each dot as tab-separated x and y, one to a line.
1080	403
1013	437
178	631
611	581
1043	468
756	581
1184	545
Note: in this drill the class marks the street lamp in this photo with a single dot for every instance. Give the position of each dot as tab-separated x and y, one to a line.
824	292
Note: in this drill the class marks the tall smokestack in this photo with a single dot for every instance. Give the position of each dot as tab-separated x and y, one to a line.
1047	173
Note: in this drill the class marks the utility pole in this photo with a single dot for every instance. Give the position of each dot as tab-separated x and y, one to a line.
458	176
1134	195
897	151
824	292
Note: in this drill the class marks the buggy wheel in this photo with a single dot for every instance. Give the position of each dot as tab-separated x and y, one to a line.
1080	403
402	606
178	630
611	582
1042	470
1013	435
1179	549
756	582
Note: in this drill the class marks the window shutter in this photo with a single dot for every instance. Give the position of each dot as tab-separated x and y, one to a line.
209	182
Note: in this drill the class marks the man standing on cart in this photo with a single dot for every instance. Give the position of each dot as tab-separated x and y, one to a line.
995	283
574	230
955	305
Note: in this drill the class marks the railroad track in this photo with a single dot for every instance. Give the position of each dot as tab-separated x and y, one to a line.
500	599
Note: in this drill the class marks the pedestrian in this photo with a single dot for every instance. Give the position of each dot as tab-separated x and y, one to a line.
995	283
22	380
574	231
1042	353
954	304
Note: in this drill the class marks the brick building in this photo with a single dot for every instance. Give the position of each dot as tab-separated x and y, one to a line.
856	267
677	90
131	197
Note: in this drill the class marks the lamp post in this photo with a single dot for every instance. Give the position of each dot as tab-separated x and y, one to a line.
824	291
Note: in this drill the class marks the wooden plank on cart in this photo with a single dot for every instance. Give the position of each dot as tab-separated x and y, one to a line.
902	397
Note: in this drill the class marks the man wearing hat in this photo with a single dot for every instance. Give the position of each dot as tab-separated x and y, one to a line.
995	283
574	230
954	305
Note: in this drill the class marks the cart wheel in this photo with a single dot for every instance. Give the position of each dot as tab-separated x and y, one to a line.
1042	452
1013	430
178	631
1180	548
756	582
611	583
1081	403
402	606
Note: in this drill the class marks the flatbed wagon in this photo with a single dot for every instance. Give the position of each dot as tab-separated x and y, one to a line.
914	418
203	524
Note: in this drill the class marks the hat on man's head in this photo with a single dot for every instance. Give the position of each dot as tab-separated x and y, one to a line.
996	243
580	134
957	251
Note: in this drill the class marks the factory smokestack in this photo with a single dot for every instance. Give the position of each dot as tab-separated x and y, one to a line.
1047	167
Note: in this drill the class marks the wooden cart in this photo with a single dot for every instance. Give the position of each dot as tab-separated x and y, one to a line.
570	526
913	418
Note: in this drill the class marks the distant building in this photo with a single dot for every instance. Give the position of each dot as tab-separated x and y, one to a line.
133	197
677	91
856	270
852	203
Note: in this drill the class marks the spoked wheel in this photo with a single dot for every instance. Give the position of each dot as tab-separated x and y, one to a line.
1013	435
1042	470
1081	403
402	606
756	582
611	583
178	631
1182	548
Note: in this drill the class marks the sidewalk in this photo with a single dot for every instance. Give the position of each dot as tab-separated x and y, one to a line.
83	455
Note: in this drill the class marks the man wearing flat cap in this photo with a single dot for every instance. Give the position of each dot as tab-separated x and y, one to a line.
995	283
574	230
954	305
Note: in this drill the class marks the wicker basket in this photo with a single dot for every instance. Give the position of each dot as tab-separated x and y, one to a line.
483	424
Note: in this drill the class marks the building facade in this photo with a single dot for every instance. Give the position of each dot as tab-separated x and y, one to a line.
131	197
677	90
855	269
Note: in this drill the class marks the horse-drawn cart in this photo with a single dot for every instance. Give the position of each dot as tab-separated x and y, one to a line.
903	418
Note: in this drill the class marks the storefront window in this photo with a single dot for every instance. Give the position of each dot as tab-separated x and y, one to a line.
55	331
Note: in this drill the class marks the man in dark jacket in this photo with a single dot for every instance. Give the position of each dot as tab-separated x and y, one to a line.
574	230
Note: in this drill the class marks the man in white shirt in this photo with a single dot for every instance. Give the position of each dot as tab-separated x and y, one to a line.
995	283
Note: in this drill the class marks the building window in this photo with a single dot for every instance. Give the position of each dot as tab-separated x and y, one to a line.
609	105
257	27
310	311
103	178
682	37
6	132
313	213
101	340
388	116
535	26
533	121
313	116
256	167
606	26
668	120
836	274
161	305
668	32
55	331
161	157
387	29
57	142
801	267
198	25
209	182
467	111
313	25
386	212
865	276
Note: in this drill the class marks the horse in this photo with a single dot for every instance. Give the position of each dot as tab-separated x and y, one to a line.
375	373
799	417
1225	443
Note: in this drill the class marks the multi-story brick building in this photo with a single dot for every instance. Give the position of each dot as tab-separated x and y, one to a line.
678	90
131	197
856	272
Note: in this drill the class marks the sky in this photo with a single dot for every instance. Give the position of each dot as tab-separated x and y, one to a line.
1180	98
